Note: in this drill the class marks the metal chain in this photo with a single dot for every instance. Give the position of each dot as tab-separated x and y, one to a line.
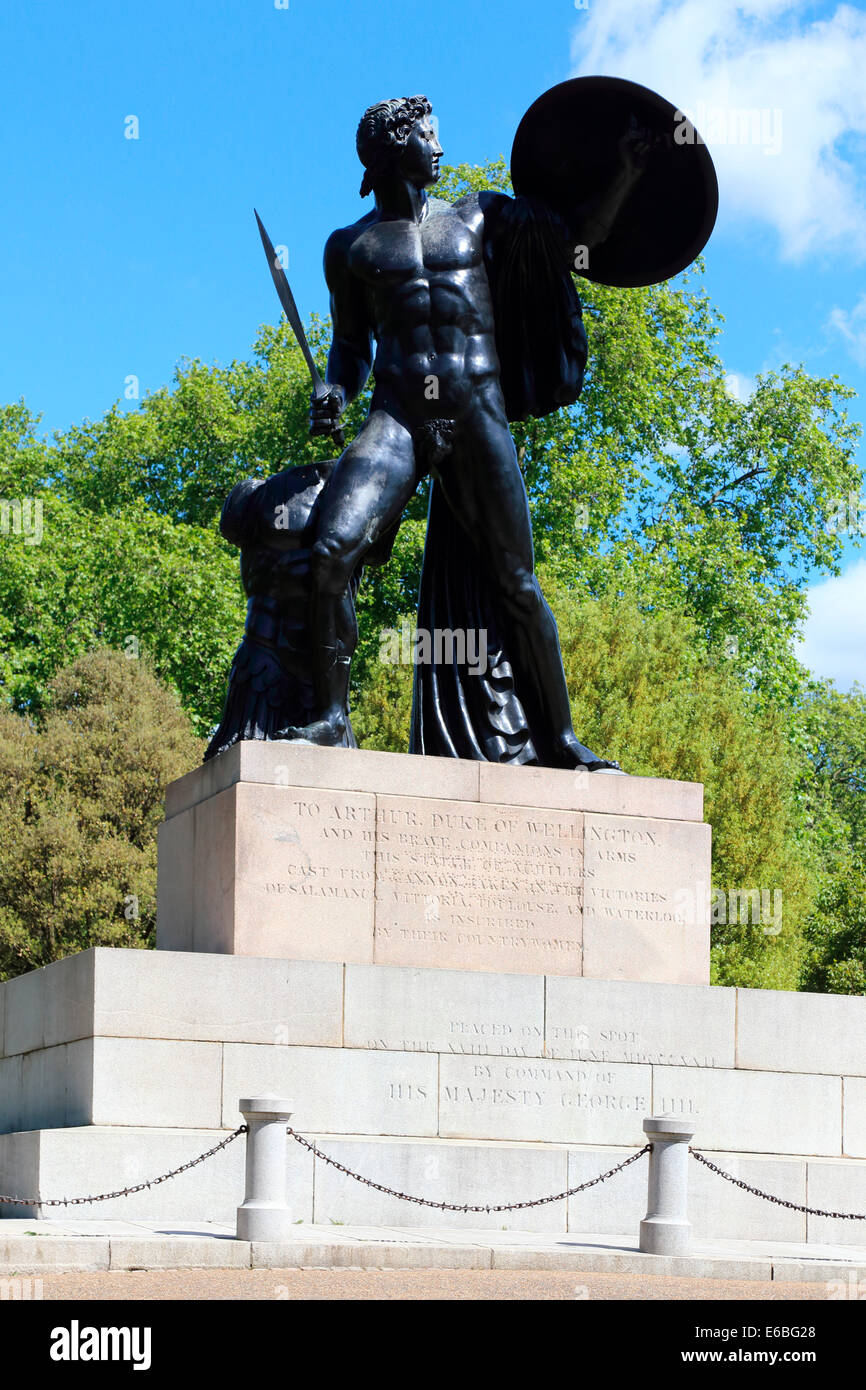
454	1206
121	1191
779	1201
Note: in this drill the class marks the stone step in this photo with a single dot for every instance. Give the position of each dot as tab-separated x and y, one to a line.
95	1159
174	1039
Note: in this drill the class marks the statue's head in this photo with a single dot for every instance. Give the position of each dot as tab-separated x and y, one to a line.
400	137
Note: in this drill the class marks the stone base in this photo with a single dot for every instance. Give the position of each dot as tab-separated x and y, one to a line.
118	1065
286	850
94	1159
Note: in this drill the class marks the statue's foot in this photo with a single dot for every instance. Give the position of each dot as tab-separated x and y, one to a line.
573	754
334	732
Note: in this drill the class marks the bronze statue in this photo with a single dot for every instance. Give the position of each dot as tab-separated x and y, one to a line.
467	316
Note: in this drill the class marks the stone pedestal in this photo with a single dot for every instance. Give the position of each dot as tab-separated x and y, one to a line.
117	1066
282	850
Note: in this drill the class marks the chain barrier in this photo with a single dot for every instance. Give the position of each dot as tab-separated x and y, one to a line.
121	1191
455	1206
426	1201
779	1201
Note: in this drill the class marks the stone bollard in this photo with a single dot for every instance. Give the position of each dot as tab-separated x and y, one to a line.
265	1214
665	1229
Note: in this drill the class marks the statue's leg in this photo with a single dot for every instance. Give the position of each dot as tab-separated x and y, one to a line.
366	493
484	487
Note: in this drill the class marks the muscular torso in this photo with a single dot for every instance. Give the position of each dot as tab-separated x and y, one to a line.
427	302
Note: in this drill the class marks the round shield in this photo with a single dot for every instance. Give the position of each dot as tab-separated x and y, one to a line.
567	152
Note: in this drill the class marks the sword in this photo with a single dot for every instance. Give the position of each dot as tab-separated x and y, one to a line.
290	309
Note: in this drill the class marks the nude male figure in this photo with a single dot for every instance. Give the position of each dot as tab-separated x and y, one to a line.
409	280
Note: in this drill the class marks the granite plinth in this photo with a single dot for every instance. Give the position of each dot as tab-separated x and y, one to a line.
286	850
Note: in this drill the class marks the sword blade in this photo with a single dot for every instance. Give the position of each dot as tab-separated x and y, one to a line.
290	308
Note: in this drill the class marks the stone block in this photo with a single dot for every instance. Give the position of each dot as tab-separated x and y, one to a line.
720	1211
69	994
646	909
841	1281
119	1081
25	1011
478	887
186	995
470	1174
203	782
19	1171
761	1112
586	791
379	1254
152	1081
175	885
778	1031
626	1021
854	1116
177	1252
336	1090
336	769
403	1009
282	850
39	1254
552	1101
201	997
93	1160
47	1077
215	910
10	1093
839	1186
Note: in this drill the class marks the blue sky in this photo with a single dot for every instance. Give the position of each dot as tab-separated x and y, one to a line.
121	256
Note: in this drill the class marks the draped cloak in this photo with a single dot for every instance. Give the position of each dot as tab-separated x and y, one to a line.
458	709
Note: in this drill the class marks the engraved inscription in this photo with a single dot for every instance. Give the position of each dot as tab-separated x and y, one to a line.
542	1099
617	1044
311	871
490	886
622	845
471	1039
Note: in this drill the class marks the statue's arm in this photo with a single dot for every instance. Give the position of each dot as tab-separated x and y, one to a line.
350	360
592	220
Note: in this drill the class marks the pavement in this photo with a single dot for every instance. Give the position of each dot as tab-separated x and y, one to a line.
75	1247
424	1285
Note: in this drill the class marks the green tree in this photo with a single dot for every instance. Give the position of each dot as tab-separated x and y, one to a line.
81	795
833	791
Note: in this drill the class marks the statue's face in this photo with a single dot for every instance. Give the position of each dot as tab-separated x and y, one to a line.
419	160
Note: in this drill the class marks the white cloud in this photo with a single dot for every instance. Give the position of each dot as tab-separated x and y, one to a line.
850	326
740	386
834	642
718	56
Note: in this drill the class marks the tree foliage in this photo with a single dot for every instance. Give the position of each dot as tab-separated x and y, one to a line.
81	795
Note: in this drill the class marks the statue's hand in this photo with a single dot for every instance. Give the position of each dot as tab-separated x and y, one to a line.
325	411
634	151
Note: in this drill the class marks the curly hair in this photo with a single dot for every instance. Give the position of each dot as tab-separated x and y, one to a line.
383	131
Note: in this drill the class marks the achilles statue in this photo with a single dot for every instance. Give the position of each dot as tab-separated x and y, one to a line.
467	316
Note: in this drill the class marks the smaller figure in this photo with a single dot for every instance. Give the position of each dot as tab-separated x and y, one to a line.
273	521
